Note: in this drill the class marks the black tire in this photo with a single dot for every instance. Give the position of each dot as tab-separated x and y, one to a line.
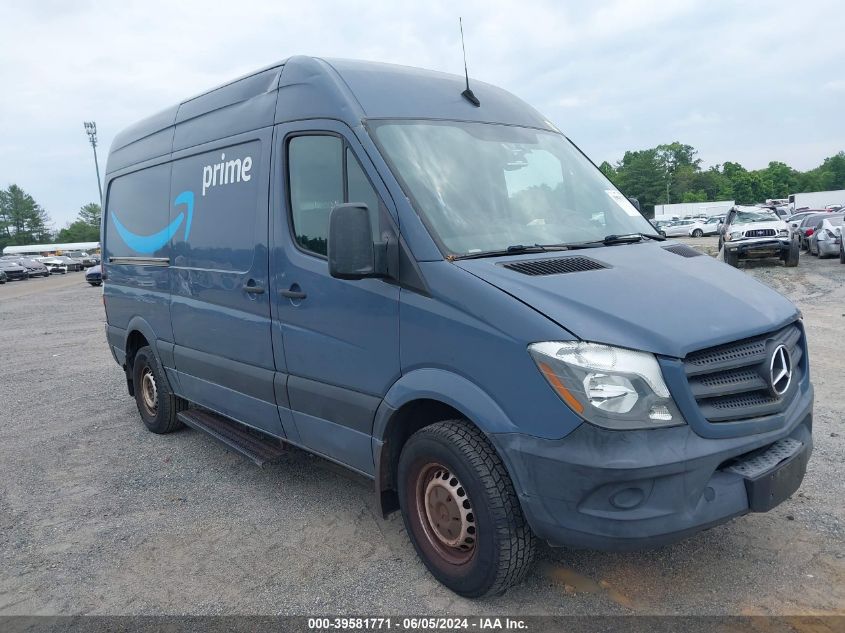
157	404
841	253
792	256
488	559
731	258
698	233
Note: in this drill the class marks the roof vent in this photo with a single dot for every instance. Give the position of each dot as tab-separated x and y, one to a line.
683	250
555	266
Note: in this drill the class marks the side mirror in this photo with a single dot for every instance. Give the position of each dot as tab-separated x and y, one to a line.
636	203
351	250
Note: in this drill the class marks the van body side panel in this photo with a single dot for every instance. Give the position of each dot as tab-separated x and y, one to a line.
137	252
223	351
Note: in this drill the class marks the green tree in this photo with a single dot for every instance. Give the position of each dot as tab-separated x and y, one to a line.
22	219
608	170
642	175
694	196
648	174
86	227
91	214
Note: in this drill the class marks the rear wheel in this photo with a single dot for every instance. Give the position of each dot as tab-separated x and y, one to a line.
157	404
698	233
461	510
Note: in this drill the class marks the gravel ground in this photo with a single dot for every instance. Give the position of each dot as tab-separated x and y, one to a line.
98	516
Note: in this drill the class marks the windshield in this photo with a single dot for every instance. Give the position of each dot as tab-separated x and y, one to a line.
748	217
483	187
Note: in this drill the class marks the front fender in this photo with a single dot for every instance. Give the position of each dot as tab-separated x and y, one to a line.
440	385
449	388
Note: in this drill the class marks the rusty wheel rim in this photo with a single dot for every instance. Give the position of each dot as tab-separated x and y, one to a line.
445	512
149	391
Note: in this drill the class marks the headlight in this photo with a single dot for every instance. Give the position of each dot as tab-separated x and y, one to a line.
783	232
611	387
735	235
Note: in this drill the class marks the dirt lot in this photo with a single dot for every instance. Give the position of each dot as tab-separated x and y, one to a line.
99	516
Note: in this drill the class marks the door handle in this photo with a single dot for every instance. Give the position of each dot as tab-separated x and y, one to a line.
254	289
293	294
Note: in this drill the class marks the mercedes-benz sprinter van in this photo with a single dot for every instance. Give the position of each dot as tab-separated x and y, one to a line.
445	295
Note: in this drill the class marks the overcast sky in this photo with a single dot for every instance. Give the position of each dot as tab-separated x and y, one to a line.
749	82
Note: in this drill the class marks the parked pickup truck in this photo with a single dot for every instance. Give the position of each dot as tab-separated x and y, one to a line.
755	233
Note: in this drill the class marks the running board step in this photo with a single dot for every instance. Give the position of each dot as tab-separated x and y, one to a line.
259	448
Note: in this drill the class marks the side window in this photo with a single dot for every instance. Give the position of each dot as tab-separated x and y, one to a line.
359	189
316	169
137	214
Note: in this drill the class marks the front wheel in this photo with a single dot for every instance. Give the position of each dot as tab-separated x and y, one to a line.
841	254
461	510
732	258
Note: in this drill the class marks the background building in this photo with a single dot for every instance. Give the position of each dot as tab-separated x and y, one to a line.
691	209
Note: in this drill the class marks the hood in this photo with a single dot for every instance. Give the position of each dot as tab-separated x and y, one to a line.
646	298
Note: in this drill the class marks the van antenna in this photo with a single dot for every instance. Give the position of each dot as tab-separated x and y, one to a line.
467	94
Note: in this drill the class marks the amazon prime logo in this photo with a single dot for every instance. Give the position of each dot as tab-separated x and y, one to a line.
780	370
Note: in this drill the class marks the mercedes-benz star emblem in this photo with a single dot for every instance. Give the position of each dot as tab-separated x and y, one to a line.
780	370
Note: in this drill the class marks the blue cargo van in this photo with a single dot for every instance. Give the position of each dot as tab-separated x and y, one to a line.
445	295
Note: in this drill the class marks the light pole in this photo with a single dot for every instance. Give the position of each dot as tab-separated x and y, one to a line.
91	129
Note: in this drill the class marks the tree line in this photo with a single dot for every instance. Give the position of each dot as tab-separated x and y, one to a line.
672	173
24	221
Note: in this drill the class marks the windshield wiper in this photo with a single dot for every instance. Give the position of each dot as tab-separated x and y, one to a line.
632	237
515	249
613	240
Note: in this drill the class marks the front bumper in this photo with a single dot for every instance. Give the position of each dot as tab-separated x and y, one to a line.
759	247
618	490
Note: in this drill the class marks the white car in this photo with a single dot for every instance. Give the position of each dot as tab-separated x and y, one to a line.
709	226
678	229
53	265
755	233
827	236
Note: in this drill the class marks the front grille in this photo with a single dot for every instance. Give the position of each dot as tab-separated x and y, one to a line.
555	266
731	382
760	233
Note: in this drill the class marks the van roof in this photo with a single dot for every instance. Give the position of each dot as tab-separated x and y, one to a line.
308	87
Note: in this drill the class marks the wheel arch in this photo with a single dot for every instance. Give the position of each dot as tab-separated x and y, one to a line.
139	333
418	399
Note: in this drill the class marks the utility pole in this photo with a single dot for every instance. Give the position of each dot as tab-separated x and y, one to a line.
91	130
